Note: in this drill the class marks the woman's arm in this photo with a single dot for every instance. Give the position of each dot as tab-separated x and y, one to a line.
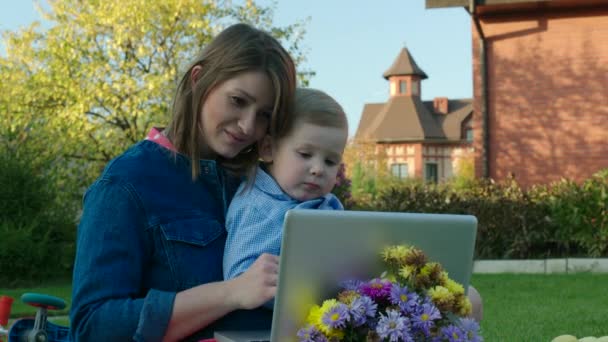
107	299
197	307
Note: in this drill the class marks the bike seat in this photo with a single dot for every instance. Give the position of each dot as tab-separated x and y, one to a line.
43	301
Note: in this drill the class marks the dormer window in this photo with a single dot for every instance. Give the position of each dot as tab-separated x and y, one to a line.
402	87
467	129
469	134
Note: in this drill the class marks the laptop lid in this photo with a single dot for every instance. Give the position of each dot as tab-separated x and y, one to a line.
322	248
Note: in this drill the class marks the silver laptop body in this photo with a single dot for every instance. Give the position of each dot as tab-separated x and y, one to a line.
320	249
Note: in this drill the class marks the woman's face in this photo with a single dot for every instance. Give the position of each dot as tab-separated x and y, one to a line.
236	114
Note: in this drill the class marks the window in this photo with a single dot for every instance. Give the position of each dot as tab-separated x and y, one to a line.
399	170
414	88
468	134
402	87
431	172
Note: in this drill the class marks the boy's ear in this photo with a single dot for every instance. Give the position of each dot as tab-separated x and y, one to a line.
265	149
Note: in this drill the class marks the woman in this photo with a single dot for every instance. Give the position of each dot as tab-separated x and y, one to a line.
151	239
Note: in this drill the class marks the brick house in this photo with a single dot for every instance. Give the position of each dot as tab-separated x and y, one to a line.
423	139
540	71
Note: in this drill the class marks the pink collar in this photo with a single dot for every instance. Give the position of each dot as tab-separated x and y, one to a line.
156	136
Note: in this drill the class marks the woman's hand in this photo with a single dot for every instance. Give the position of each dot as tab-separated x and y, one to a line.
258	284
197	307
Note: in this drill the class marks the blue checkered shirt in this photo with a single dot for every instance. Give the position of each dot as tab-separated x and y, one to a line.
255	221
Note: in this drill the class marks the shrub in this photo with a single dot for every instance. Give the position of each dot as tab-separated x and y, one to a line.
36	233
556	220
581	213
342	187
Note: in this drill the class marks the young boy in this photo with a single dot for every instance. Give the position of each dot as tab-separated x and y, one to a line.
298	170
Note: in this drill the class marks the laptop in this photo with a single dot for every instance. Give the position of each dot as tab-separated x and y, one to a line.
321	249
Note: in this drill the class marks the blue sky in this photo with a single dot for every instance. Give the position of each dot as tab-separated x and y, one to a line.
350	44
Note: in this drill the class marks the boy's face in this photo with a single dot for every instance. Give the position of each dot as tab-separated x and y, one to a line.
305	164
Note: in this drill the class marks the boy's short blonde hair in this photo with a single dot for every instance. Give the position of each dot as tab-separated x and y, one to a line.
315	107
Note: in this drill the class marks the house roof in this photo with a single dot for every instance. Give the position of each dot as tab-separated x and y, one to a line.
405	118
486	7
466	3
369	113
459	111
403	65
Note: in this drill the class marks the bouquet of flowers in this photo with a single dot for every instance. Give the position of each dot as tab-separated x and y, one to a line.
414	300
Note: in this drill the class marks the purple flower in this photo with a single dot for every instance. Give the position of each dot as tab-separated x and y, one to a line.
394	327
424	318
453	334
336	317
376	289
470	328
406	300
362	308
310	334
351	285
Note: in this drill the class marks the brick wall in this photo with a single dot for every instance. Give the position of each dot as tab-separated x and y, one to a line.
548	95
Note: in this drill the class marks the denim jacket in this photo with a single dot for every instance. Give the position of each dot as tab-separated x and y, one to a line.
147	232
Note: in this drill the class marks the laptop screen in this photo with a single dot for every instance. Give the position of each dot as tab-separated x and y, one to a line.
321	249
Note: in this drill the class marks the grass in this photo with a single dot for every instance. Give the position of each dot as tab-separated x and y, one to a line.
521	307
58	288
517	307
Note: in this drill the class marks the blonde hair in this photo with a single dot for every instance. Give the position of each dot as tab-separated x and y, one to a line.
237	49
315	107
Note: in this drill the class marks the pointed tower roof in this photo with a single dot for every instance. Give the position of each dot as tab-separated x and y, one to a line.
404	65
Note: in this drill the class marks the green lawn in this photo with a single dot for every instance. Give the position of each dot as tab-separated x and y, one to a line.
517	307
520	307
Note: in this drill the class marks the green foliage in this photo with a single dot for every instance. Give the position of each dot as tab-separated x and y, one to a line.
105	72
562	219
464	176
37	233
581	212
368	173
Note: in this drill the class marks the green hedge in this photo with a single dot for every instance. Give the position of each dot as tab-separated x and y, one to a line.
558	220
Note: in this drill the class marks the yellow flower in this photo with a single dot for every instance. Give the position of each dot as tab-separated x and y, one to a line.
314	316
407	271
443	278
440	294
415	257
426	269
463	306
454	287
393	254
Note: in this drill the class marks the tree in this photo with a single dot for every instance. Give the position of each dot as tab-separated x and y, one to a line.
366	166
104	72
